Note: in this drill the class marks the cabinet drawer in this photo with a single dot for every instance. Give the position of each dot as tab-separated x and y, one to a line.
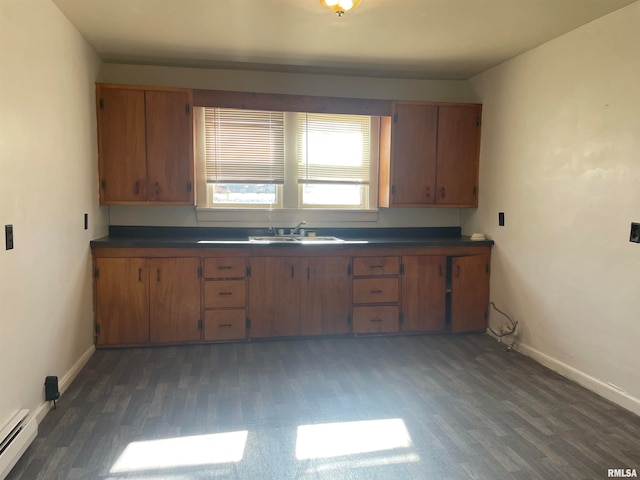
365	266
375	319
231	267
224	293
224	324
376	290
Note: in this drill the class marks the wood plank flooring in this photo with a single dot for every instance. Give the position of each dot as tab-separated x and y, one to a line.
471	409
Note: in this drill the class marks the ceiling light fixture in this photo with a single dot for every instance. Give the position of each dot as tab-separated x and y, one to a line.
340	6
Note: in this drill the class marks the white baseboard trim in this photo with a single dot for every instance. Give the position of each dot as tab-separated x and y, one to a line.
64	382
617	396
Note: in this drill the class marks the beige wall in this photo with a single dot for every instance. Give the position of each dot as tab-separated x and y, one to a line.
561	157
48	180
299	84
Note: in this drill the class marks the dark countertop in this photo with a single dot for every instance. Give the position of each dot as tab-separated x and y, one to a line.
215	237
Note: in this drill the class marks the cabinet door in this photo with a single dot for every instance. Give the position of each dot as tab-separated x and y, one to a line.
458	152
174	300
324	299
424	283
274	296
413	158
169	147
122	301
469	293
122	150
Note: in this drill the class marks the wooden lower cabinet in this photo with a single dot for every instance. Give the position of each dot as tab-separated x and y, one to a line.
424	283
274	296
225	298
224	324
298	296
375	319
140	301
174	300
193	296
324	298
469	293
121	301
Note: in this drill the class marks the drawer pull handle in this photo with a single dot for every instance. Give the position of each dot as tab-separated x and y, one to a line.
375	320
224	267
376	291
225	293
224	325
376	266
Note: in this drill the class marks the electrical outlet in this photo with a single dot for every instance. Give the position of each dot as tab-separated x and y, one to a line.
635	232
8	236
501	219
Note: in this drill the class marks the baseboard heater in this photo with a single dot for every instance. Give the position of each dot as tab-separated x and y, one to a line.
15	437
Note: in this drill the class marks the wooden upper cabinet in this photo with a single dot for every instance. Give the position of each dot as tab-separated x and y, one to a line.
169	147
429	155
469	293
413	154
121	144
458	152
145	145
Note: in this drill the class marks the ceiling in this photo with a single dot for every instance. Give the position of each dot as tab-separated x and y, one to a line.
425	39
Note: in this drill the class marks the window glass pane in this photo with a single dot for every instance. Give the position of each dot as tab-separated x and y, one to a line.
333	148
245	194
332	195
244	146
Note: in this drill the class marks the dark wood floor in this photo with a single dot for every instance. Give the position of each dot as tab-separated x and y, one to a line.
471	410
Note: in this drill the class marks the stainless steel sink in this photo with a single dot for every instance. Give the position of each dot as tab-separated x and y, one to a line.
320	240
294	239
272	239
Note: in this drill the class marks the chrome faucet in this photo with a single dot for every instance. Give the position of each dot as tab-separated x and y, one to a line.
297	227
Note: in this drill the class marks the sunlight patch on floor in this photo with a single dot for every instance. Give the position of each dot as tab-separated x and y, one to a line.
351	438
176	452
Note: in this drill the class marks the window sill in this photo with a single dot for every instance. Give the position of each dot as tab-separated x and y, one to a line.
313	217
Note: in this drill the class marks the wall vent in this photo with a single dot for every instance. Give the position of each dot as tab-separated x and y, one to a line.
15	437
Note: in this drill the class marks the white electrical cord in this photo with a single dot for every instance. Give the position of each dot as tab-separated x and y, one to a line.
505	330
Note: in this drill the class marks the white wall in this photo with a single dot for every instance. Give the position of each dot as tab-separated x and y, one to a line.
288	83
560	156
48	180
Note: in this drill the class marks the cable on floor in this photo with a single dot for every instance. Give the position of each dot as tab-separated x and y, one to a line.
505	329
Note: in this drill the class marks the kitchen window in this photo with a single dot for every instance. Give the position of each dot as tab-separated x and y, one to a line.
287	160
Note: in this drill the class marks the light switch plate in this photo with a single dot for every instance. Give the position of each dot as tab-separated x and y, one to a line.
8	236
635	232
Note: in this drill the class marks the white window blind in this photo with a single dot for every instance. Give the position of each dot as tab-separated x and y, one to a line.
244	146
333	148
